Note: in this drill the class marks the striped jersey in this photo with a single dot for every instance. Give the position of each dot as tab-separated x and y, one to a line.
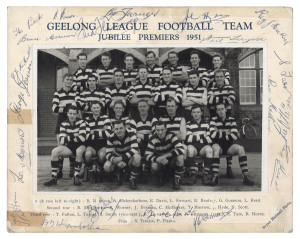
211	77
172	124
164	91
220	130
198	92
99	128
145	128
63	99
223	94
72	133
124	119
157	147
176	70
202	73
198	132
106	73
81	77
130	76
141	90
88	96
155	73
113	92
126	147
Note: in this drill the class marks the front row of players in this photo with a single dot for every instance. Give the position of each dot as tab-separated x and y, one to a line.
129	149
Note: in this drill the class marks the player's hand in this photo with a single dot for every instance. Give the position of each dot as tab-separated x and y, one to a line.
164	162
117	159
121	164
139	140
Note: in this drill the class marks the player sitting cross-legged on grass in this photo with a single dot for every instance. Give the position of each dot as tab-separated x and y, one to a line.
198	143
72	137
122	154
223	131
98	130
165	150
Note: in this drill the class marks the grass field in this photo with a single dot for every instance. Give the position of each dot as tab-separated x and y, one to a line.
66	184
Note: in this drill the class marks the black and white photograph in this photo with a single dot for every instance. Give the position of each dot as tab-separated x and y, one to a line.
149	119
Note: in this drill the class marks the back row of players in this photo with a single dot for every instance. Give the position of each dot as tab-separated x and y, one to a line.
135	121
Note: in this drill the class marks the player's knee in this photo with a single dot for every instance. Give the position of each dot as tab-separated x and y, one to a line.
136	160
154	167
102	155
54	152
241	150
180	160
80	151
190	151
209	152
107	167
88	155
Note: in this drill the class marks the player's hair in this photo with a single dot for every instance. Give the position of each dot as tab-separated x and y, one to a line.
143	67
170	99
72	107
118	70
105	54
219	70
220	103
142	101
217	55
196	106
194	52
92	76
128	55
150	52
159	123
167	68
67	75
172	52
81	54
95	102
118	122
119	102
193	72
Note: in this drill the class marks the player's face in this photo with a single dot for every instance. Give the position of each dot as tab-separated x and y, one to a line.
82	61
143	74
161	131
220	78
118	109
221	111
68	81
118	78
119	130
173	59
105	61
92	82
150	59
195	60
196	113
143	108
217	62
96	109
72	114
171	108
129	62
194	79
167	75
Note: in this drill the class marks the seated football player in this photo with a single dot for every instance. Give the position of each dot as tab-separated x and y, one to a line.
165	150
198	143
122	154
223	131
62	99
72	136
98	130
143	126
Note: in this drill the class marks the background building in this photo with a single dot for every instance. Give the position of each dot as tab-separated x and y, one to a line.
244	64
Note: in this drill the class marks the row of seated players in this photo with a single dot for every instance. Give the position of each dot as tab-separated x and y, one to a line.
123	145
192	93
